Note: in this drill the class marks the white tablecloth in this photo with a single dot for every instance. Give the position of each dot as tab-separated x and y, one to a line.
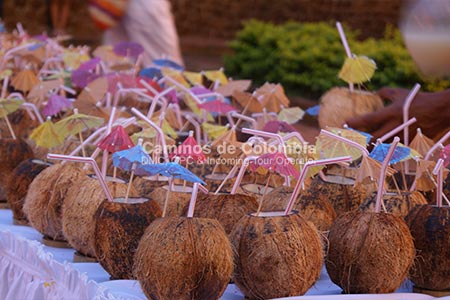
31	270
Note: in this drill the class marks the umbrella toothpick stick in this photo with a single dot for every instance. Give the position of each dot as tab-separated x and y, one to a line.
261	200
83	151
438	170
166	201
129	183
11	131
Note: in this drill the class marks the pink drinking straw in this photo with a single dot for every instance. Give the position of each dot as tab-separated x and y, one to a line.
108	131
87	160
303	173
158	97
30	107
437	145
363	149
240	175
384	167
396	130
346	47
439	171
197	186
412	94
157	128
244	118
267	135
294	134
5	87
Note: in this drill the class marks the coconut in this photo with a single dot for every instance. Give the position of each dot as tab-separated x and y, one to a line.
146	185
178	199
17	188
430	228
225	208
369	252
118	228
275	255
13	151
45	197
339	191
339	104
79	208
184	258
20	122
397	204
318	211
213	181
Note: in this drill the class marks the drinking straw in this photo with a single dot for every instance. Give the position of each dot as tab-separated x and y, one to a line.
412	94
33	111
108	131
240	175
396	130
242	117
437	145
161	95
384	167
439	171
88	160
197	186
346	47
5	86
295	134
157	128
267	135
303	173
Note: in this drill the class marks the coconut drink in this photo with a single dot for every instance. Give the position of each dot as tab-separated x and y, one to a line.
370	252
79	208
17	188
118	228
340	104
429	226
177	199
398	204
226	208
184	257
45	198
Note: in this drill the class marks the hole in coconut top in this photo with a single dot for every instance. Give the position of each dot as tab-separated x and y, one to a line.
264	214
339	180
130	200
179	188
216	176
256	188
40	162
156	178
109	178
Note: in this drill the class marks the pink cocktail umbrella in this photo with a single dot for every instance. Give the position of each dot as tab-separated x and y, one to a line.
445	155
190	150
55	105
217	106
276	126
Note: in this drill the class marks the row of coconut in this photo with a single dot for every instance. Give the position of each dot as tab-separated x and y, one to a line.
275	255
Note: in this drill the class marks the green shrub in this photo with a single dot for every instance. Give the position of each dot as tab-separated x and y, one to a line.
306	58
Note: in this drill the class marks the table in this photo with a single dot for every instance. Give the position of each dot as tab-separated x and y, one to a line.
31	270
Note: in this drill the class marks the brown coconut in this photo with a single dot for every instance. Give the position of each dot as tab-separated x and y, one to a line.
17	188
318	211
45	197
13	152
397	204
213	182
146	185
79	208
339	191
430	228
21	123
184	258
369	253
118	228
178	199
275	255
225	208
339	104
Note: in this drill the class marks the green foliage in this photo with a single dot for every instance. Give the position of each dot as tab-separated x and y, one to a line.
306	58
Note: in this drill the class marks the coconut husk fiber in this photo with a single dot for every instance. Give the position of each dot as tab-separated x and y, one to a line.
275	255
17	188
369	253
339	191
430	227
178	199
13	152
184	258
145	186
225	208
119	227
21	123
318	211
396	204
339	104
68	146
213	181
79	208
45	197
